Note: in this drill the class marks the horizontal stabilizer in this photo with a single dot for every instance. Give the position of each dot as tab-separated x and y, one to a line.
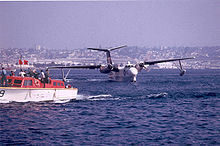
107	50
115	48
168	60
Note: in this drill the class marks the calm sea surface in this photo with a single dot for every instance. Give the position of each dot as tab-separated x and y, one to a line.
160	108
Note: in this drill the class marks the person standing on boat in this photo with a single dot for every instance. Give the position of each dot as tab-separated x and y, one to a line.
47	76
31	73
22	73
12	74
35	74
25	73
42	75
4	79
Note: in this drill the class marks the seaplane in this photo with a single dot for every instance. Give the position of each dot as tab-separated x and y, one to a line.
127	72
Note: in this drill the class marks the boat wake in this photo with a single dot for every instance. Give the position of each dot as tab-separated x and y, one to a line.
96	80
61	101
159	95
110	97
36	101
4	101
94	97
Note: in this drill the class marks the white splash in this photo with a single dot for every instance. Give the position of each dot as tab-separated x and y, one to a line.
93	97
96	80
61	101
4	101
159	95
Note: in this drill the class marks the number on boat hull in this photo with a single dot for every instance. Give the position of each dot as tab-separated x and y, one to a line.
2	92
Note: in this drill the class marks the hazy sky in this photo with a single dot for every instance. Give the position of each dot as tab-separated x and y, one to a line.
91	24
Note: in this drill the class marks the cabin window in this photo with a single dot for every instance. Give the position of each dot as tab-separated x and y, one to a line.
54	84
17	81
58	84
16	85
61	84
9	80
28	83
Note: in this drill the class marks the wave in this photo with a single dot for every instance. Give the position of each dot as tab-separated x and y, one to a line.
102	95
61	101
110	97
206	94
4	101
94	97
96	80
159	95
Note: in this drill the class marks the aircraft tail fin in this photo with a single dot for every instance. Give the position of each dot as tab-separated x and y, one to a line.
109	60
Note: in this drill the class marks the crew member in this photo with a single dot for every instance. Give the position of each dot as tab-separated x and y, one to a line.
47	80
42	77
22	73
35	74
12	73
31	73
4	79
25	73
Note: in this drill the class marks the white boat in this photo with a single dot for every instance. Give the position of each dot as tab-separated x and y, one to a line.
24	89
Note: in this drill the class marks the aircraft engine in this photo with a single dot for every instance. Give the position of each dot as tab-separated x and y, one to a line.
108	69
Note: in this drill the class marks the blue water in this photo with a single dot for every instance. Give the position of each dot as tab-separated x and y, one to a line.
160	108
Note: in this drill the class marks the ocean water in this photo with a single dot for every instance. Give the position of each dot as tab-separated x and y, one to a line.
161	108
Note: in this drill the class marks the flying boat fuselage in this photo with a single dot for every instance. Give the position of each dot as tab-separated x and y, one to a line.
124	74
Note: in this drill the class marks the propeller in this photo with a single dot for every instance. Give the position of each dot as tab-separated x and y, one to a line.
145	67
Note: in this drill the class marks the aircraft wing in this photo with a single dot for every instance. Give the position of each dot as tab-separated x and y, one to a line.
168	60
77	66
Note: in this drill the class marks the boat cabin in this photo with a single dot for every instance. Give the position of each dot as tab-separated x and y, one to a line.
30	82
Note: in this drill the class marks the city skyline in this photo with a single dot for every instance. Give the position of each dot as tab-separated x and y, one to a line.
92	24
206	57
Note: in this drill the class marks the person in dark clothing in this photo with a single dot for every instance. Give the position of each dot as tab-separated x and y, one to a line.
47	80
25	73
31	73
12	73
4	79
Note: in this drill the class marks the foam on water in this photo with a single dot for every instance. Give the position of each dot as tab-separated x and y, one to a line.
4	101
159	95
61	101
96	80
94	97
